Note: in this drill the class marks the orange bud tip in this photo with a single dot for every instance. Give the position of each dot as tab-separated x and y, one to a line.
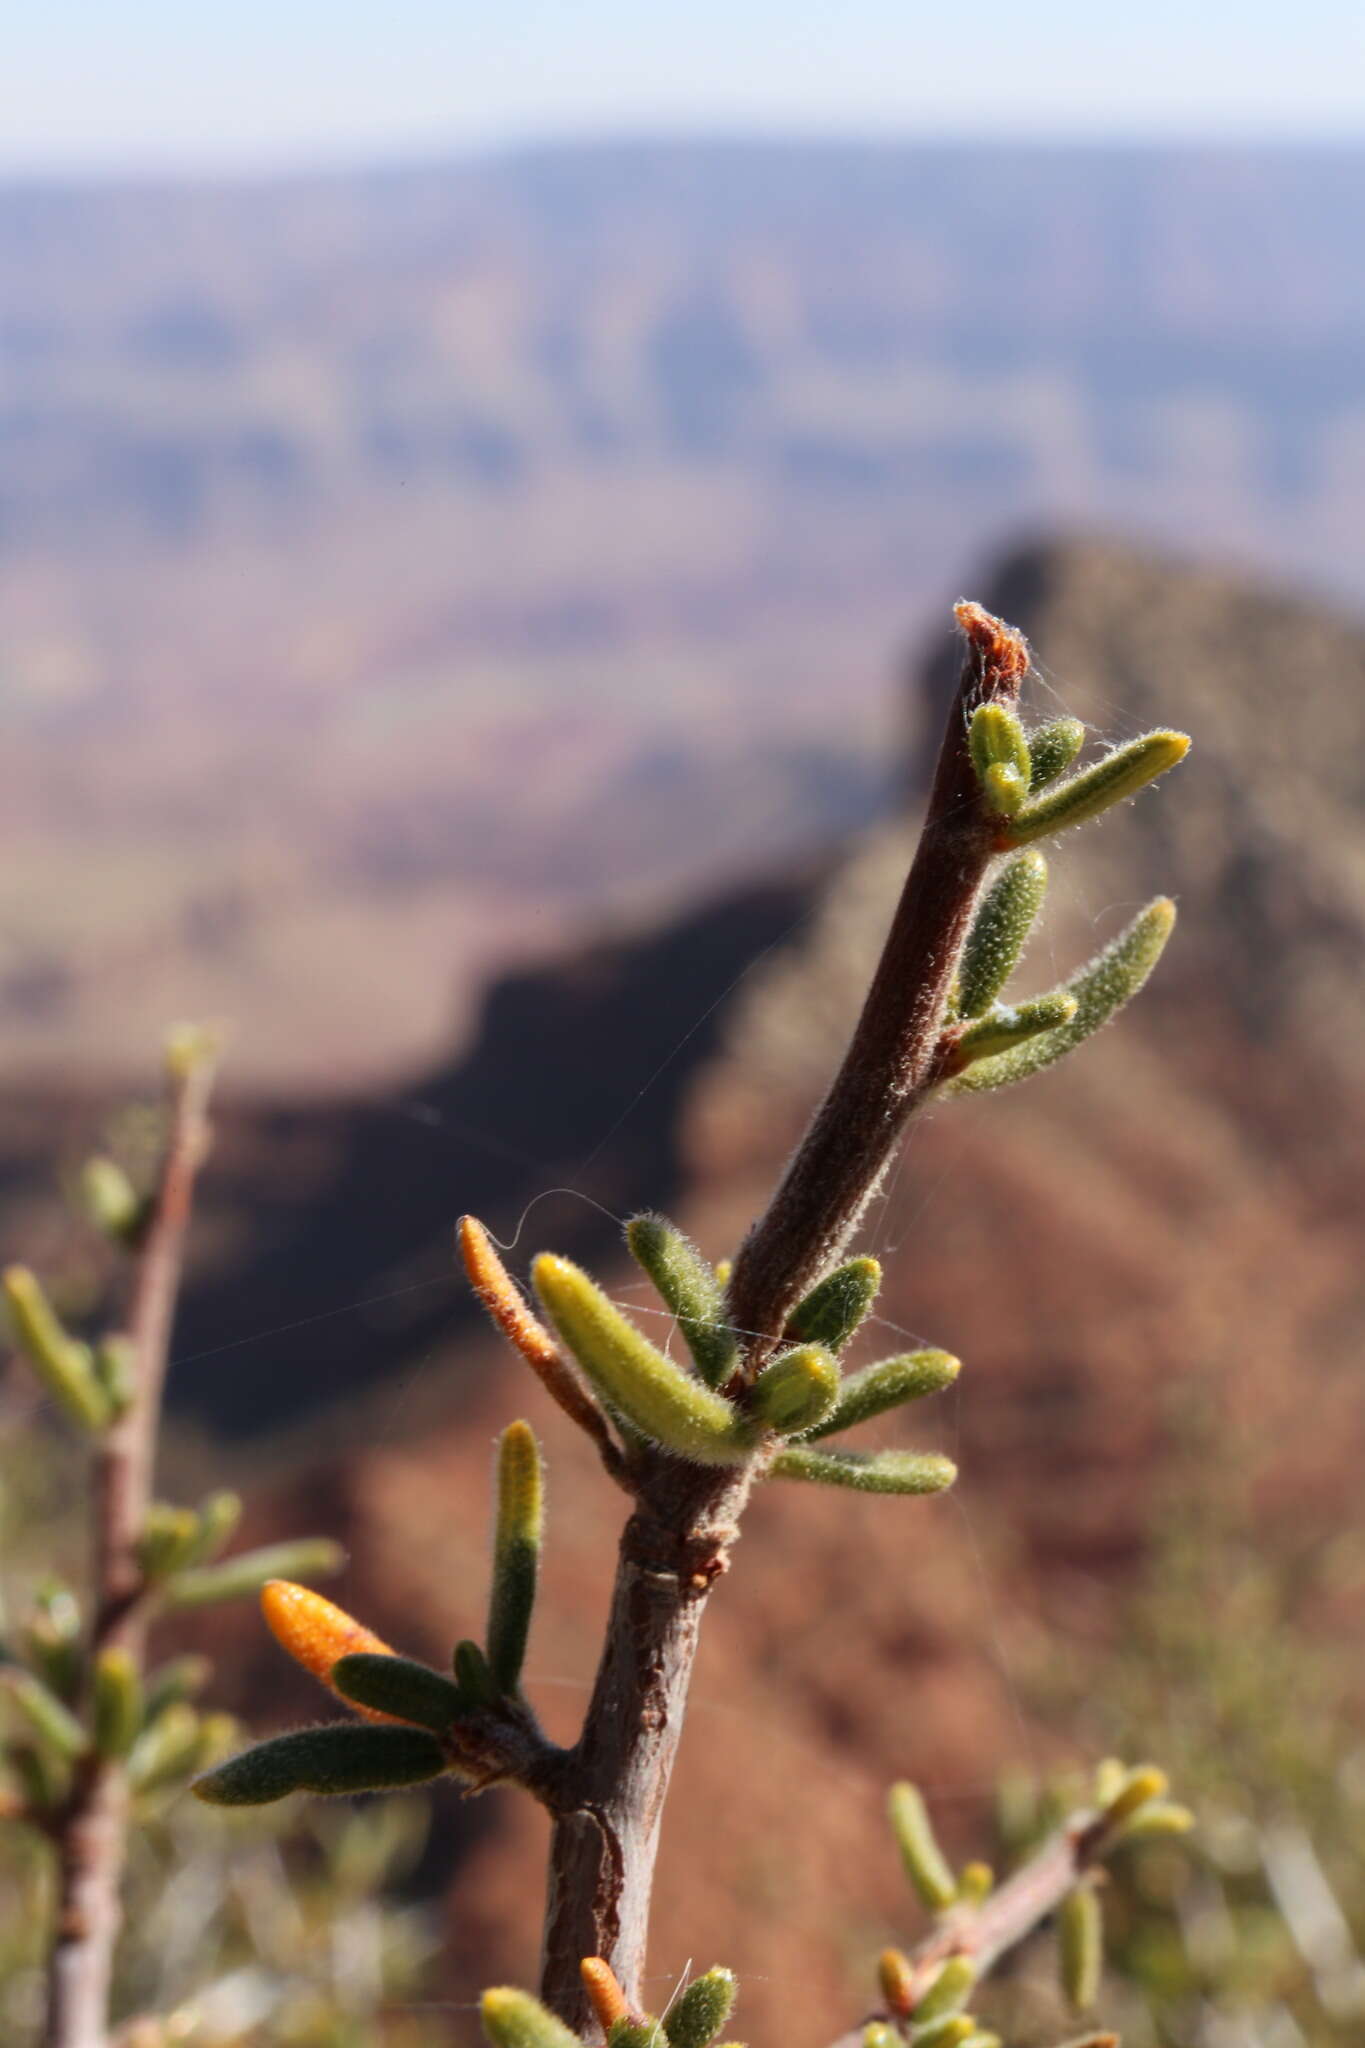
897	1980
317	1634
607	1998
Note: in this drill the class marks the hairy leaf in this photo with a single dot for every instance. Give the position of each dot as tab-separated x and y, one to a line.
796	1389
343	1757
513	2019
867	1471
1100	988
399	1688
1120	774
887	1384
1003	1028
1053	747
699	2013
836	1305
691	1289
1005	916
516	1553
658	1398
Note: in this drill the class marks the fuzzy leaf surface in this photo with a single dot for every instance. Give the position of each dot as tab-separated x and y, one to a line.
697	2015
341	1758
1100	989
690	1287
1005	916
1053	747
666	1404
400	1688
867	1471
836	1305
1094	790
909	1377
516	1553
797	1389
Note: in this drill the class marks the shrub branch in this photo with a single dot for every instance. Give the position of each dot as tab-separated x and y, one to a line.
90	1829
611	1794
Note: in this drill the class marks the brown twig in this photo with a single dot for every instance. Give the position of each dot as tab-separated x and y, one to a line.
987	1931
890	1064
609	1797
91	1830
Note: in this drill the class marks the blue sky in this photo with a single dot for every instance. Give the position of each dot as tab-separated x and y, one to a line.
121	84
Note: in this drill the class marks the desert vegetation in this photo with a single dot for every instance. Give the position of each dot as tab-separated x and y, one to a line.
688	1443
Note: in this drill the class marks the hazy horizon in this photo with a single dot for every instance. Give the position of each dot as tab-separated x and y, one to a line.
265	90
438	155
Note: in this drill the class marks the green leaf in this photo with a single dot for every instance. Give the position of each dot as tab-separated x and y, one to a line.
1080	1946
65	1367
477	1685
167	1750
115	1363
42	1779
51	1639
118	1702
796	1390
1003	1028
311	1557
951	2030
1158	1817
925	1864
691	1289
836	1305
1111	1775
631	2033
111	1202
699	2013
1054	747
513	2019
1000	755
55	1725
948	1992
887	1384
516	1554
169	1539
664	1403
342	1757
1142	1784
1120	774
1100	988
218	1517
867	1471
401	1687
1005	916
177	1680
